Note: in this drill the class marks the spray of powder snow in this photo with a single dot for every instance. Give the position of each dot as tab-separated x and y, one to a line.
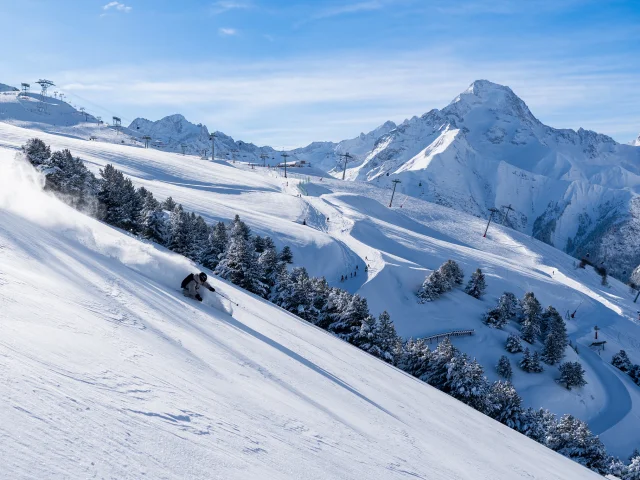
22	195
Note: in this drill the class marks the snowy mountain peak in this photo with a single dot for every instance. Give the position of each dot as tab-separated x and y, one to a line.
486	95
636	142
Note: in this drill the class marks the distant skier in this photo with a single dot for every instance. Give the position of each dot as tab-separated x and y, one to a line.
342	278
192	283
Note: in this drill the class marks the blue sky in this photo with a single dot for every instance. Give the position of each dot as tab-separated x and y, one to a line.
285	73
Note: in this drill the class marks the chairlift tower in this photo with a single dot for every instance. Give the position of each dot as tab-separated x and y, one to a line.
117	124
183	146
346	157
25	89
492	210
45	84
395	184
285	155
146	139
264	157
506	214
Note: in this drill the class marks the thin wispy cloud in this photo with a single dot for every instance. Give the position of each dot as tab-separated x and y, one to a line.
345	9
339	97
226	5
227	32
120	7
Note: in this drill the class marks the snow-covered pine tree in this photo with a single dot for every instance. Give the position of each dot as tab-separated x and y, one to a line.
120	204
621	361
504	368
319	296
350	319
258	243
504	311
466	382
169	204
505	405
68	176
268	262
414	358
452	274
386	337
531	311
440	359
617	468
36	151
268	243
634	373
199	238
634	454
153	222
281	292
536	366
632	471
530	363
536	424
239	264
378	337
216	245
286	255
556	340
433	286
336	303
299	298
477	284
572	375
513	345
241	229
179	231
573	439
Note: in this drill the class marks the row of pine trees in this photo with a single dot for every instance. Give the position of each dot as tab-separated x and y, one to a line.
253	262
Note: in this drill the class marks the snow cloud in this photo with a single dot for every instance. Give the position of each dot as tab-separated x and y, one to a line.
121	7
227	32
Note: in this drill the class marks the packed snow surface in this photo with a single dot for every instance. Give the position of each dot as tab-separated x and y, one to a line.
349	225
107	371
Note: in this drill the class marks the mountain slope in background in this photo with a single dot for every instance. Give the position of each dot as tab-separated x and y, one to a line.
576	190
122	377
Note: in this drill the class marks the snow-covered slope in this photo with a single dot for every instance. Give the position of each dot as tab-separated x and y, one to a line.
573	189
109	372
348	226
7	88
53	115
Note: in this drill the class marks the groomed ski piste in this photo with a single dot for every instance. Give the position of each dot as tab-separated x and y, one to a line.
348	225
107	371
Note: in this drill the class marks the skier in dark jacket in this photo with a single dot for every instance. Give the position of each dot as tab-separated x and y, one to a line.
192	283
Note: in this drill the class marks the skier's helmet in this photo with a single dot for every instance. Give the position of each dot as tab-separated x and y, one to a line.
203	276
